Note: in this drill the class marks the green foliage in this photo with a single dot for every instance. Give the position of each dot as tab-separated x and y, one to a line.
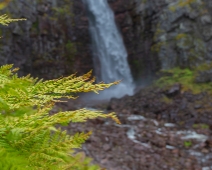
187	144
64	10
201	125
186	77
70	51
203	67
166	100
28	137
176	75
5	20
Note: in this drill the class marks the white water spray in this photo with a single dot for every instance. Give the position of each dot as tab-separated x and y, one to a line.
109	53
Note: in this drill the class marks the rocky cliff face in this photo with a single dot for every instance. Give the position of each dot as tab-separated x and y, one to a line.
47	44
164	34
134	18
158	34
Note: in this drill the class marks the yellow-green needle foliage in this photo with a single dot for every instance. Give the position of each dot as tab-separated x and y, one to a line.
29	91
5	20
29	139
28	136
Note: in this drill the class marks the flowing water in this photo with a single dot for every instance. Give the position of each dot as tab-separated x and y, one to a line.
109	53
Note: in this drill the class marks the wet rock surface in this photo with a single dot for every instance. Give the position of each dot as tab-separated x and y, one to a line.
157	132
55	39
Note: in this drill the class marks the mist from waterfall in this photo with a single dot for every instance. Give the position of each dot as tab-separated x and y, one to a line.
109	53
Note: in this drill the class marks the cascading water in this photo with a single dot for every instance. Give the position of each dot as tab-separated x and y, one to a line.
109	53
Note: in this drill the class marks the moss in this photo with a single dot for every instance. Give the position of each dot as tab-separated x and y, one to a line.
184	41
180	36
64	10
156	47
187	144
159	43
181	4
204	67
35	25
201	126
186	78
70	50
181	123
166	100
175	75
192	46
137	67
158	32
144	1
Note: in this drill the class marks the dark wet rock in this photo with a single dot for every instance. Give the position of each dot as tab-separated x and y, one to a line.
197	106
52	42
171	33
184	103
174	90
204	76
157	34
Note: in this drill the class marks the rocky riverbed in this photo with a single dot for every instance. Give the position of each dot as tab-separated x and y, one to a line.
161	129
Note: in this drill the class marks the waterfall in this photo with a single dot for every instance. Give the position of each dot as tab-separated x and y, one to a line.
109	53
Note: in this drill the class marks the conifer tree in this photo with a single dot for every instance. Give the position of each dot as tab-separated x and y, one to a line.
29	139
